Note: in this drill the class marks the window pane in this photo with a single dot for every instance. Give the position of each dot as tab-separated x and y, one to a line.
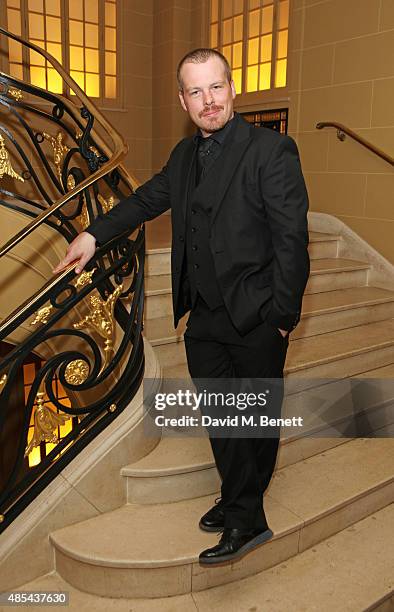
79	78
76	32
227	32
253	51
35	58
53	7
238	7
237	55
266	48
268	16
110	39
237	78
281	50
36	26
110	87
14	3
14	21
14	51
110	14
227	8
75	9
280	74
37	76
91	11
227	54
91	35
53	29
36	5
254	24
254	4
214	10
55	82
214	35
252	76
265	76
238	28
110	63
284	14
92	60
92	85
76	58
55	50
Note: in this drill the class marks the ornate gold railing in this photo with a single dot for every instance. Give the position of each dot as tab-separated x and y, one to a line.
342	131
84	332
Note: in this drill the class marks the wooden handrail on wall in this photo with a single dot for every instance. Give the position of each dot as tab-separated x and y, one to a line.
342	130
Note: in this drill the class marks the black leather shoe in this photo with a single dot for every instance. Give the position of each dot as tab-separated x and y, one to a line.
233	544
213	520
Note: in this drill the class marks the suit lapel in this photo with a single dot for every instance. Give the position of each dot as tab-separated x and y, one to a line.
219	177
185	169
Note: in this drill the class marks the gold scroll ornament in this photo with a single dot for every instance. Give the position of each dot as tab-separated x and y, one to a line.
46	421
59	150
5	163
101	320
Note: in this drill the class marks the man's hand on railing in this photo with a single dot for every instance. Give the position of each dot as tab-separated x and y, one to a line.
80	250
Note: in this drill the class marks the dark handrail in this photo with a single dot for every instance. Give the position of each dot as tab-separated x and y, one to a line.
342	130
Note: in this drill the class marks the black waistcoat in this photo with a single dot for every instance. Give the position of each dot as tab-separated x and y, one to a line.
200	265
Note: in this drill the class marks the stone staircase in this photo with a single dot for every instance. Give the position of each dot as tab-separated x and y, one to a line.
330	503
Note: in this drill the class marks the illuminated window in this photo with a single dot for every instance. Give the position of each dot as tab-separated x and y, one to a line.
80	34
253	36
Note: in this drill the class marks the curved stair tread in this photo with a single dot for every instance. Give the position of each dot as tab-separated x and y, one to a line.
176	455
363	551
161	535
325	348
314	304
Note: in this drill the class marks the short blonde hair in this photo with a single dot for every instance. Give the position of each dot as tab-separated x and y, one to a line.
200	56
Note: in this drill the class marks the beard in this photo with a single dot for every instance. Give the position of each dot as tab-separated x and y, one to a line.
212	123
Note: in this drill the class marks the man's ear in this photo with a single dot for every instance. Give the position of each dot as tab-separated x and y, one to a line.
232	85
182	100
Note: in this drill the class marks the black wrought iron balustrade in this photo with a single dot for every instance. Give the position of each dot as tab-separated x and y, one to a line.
61	166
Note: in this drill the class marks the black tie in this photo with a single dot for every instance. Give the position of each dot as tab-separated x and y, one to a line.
203	159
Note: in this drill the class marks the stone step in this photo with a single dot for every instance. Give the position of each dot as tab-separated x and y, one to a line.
343	308
326	275
334	354
152	550
158	259
181	466
350	571
362	551
321	313
343	353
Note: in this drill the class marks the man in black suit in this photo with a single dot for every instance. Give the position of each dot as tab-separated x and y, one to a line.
239	263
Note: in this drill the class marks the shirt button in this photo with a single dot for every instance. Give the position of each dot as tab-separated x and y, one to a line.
193	211
181	238
196	266
193	229
194	247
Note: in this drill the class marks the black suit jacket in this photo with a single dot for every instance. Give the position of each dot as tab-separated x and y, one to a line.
258	223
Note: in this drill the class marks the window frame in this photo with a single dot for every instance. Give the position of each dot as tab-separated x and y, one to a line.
255	100
102	102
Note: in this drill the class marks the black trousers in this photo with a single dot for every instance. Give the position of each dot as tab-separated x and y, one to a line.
215	349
